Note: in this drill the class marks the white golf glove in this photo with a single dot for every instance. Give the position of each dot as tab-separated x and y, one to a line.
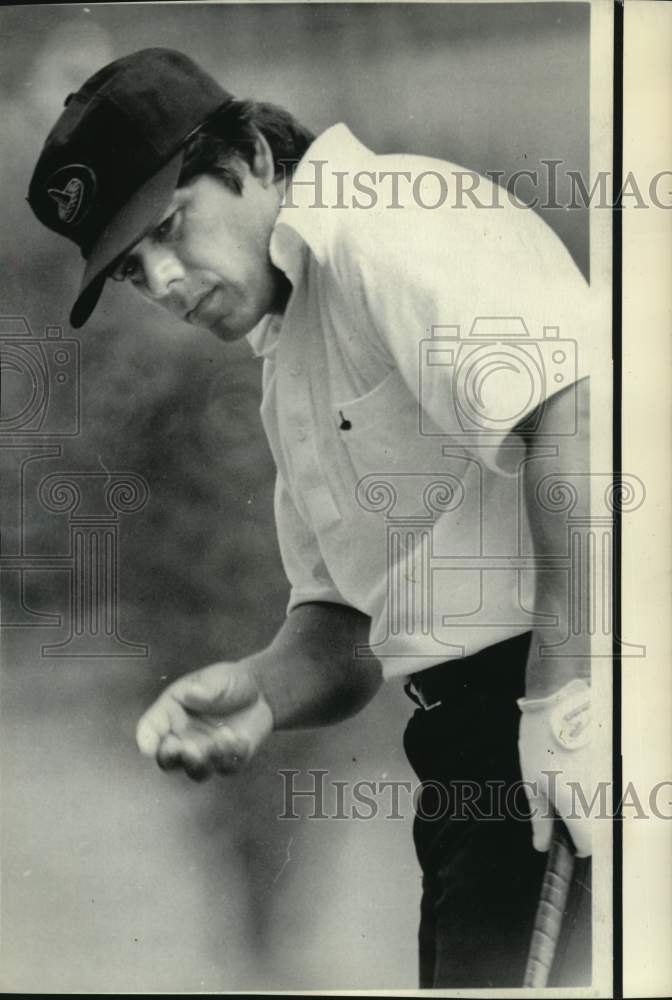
554	736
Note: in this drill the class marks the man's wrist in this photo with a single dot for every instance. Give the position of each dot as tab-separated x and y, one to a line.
545	675
570	690
256	665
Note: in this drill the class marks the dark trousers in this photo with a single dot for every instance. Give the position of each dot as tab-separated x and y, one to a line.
481	875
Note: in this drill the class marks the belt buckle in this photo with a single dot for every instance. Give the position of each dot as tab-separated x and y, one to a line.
421	698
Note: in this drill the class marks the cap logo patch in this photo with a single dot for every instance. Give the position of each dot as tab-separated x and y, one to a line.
72	189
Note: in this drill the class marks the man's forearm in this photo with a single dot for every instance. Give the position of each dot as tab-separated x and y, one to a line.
546	674
560	596
310	675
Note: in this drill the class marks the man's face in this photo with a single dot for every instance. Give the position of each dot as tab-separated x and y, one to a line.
207	261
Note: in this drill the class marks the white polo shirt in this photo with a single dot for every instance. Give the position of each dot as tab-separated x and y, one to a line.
414	340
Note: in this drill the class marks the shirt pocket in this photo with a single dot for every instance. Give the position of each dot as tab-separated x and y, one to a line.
382	433
364	413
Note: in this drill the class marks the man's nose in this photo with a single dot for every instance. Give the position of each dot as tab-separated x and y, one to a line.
162	271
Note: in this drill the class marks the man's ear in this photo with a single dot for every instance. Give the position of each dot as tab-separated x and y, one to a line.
263	165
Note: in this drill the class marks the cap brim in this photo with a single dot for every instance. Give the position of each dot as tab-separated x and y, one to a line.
140	213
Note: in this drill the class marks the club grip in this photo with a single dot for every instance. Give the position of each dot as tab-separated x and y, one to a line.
551	908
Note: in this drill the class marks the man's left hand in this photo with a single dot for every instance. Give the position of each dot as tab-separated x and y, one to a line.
555	761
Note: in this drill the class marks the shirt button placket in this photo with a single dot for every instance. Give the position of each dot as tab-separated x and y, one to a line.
301	414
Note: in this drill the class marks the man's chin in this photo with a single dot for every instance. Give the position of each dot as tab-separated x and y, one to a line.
229	327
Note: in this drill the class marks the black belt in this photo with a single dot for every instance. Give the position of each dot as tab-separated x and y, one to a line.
461	678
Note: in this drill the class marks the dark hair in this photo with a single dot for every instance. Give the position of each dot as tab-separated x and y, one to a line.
230	136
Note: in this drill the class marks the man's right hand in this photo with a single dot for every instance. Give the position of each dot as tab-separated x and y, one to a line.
213	719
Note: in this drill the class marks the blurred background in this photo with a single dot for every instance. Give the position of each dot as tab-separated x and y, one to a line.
117	877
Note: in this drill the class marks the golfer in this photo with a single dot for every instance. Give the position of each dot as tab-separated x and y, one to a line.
426	370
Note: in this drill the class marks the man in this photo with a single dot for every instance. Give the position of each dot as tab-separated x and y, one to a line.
418	419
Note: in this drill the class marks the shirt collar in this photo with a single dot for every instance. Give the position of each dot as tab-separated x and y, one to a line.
263	338
307	214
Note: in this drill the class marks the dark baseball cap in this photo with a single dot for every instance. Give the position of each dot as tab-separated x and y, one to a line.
112	161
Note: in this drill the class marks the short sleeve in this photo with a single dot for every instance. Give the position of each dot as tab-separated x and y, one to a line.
303	564
483	311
